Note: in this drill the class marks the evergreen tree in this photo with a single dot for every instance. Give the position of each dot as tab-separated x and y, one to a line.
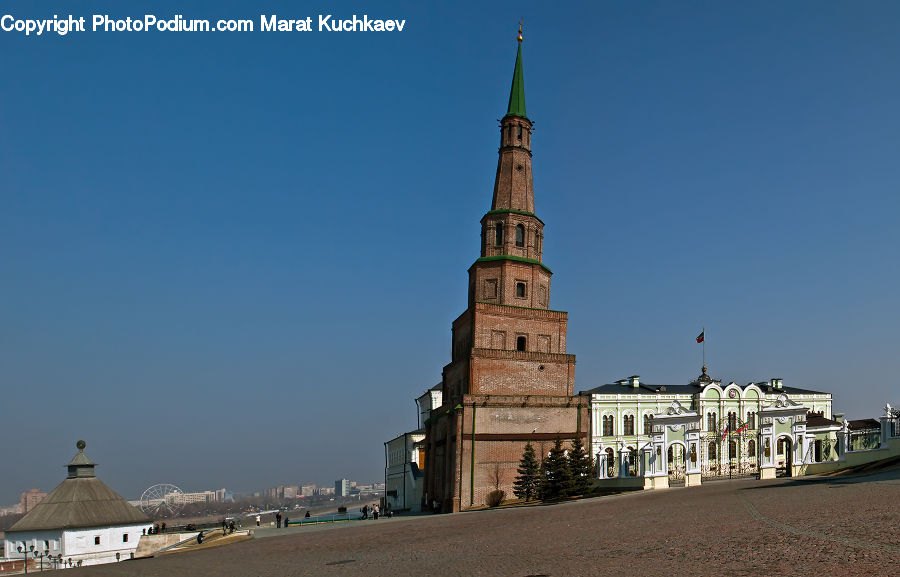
527	482
581	467
557	477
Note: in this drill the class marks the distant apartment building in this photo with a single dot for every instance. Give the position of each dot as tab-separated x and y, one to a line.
308	490
325	491
29	499
283	492
342	488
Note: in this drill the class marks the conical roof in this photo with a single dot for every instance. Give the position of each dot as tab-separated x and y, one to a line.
82	500
517	91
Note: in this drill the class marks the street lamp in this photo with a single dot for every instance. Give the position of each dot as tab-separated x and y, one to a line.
41	555
24	552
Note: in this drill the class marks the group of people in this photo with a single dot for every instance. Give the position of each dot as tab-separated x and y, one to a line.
227	528
375	510
154	530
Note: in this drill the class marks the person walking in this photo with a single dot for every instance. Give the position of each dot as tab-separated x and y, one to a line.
286	521
375	512
278	519
257	520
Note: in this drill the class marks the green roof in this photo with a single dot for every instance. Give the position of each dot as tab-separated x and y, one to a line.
517	92
515	258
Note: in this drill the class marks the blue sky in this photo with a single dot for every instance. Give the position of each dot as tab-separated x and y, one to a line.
233	259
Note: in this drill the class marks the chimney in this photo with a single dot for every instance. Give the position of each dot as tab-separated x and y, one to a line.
634	381
775	383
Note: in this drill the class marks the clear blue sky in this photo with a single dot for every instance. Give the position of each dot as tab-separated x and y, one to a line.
233	259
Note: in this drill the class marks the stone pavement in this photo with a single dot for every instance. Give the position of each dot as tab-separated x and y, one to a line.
820	527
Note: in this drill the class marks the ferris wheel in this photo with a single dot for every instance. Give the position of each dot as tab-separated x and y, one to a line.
162	500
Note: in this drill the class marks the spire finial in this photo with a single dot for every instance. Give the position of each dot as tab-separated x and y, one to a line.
80	445
521	23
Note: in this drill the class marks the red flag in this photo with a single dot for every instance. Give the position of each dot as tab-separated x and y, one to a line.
701	335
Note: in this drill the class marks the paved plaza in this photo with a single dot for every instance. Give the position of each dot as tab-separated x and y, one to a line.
822	527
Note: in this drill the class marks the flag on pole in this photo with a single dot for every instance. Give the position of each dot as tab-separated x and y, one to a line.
744	427
701	336
725	433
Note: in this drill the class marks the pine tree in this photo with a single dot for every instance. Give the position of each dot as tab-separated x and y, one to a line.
527	482
581	467
557	477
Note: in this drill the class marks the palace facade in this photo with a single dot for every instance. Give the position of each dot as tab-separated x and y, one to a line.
721	429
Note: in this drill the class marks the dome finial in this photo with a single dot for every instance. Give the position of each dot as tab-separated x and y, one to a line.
521	23
80	445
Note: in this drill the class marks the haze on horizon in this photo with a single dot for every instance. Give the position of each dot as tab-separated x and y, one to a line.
233	260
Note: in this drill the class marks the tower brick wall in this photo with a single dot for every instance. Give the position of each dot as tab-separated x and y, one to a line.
510	380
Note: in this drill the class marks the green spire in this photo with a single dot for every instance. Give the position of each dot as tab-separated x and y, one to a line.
517	92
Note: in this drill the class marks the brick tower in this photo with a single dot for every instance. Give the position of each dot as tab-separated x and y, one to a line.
510	380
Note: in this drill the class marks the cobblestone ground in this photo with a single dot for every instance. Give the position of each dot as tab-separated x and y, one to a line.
835	526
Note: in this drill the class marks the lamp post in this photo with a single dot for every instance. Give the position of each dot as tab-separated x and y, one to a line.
41	554
24	553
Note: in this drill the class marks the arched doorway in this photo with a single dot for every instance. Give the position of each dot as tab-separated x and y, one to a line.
675	462
784	452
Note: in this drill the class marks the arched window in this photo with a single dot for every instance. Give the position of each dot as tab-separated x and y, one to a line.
751	420
751	449
712	451
608	430
629	424
498	234
519	137
520	235
520	343
732	450
648	425
710	421
732	421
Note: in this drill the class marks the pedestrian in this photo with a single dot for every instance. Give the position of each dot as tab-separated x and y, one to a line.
365	511
375	512
231	527
278	519
257	520
164	527
156	529
307	515
199	537
224	526
286	521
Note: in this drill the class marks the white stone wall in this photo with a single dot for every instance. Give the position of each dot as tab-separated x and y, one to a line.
79	545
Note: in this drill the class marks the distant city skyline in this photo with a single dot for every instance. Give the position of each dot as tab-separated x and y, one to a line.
219	248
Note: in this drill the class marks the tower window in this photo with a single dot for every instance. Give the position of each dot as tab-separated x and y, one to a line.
520	343
519	135
520	290
520	235
498	234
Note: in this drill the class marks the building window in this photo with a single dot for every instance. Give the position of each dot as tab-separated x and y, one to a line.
751	420
520	343
96	540
125	538
648	424
732	421
779	447
520	290
710	421
498	234
629	424
712	452
732	450
608	430
520	235
751	449
768	449
519	134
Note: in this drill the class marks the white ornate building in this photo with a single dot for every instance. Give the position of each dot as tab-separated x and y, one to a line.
724	429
